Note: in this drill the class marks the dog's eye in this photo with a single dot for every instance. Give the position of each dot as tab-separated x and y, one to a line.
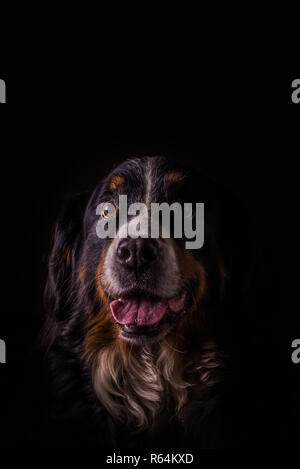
108	210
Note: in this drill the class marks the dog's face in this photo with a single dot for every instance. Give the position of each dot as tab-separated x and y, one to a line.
146	285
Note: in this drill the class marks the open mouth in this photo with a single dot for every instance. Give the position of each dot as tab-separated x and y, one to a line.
140	315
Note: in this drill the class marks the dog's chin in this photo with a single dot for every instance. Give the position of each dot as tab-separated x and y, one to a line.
144	318
145	335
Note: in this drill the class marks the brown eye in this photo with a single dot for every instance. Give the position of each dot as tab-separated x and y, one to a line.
109	210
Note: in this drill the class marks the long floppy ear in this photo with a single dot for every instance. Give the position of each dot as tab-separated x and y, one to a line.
63	258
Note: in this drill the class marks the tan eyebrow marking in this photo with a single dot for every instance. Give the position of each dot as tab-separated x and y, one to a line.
173	177
116	182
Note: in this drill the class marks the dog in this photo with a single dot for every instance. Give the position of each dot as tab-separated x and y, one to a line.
134	331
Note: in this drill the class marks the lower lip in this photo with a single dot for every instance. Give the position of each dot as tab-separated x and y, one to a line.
142	331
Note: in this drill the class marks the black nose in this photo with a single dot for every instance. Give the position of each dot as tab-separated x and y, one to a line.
137	254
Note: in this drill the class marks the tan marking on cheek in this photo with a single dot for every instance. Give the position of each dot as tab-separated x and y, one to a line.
192	269
196	323
81	274
116	183
99	289
68	257
102	332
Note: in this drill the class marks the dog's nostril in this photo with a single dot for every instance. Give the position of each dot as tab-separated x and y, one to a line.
126	254
148	252
123	253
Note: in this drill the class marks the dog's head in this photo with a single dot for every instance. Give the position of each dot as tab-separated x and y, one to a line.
139	286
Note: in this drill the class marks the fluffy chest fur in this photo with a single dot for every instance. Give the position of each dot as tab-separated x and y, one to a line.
135	386
138	385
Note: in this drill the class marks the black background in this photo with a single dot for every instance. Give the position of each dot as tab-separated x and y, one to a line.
86	91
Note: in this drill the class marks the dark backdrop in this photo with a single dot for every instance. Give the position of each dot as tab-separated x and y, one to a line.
135	83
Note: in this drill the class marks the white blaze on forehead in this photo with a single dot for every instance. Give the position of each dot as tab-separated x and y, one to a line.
148	182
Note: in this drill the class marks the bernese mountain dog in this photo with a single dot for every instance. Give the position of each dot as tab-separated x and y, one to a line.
135	331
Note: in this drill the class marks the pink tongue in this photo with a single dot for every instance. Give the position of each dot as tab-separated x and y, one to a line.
143	312
140	312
